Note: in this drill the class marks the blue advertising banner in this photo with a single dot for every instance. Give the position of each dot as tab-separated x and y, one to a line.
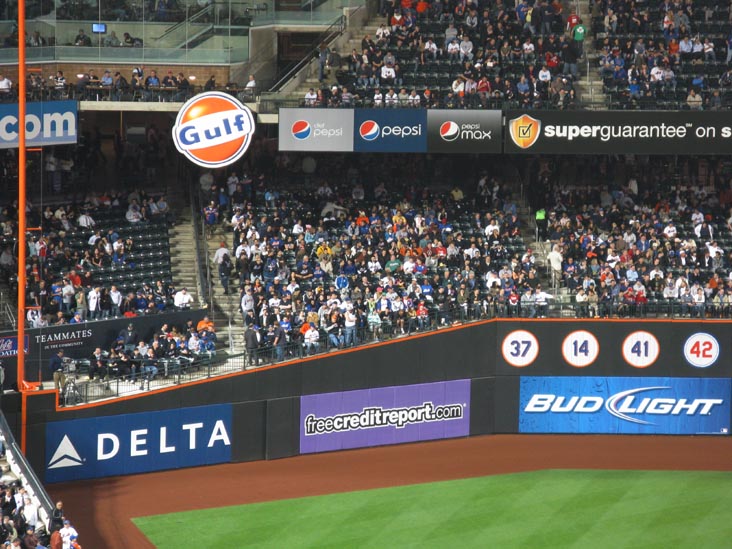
390	130
387	415
47	123
9	346
138	443
625	405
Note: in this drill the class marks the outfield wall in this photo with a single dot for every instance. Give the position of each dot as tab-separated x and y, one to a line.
654	377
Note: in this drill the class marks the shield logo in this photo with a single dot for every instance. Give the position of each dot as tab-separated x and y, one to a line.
524	131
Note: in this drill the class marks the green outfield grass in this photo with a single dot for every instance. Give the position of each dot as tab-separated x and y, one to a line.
587	509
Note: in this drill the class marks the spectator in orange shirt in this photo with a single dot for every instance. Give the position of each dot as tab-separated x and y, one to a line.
205	324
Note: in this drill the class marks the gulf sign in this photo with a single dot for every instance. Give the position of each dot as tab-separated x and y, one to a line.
213	129
315	130
47	123
475	132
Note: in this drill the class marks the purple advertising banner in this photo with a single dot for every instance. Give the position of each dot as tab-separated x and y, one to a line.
388	415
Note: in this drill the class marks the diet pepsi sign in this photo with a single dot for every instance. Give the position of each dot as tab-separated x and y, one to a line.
138	443
390	130
477	132
213	129
315	130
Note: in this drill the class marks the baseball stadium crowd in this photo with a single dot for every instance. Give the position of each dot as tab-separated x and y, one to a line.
103	258
131	356
639	241
372	253
456	55
22	526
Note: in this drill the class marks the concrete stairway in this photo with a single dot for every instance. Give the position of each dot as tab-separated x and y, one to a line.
225	308
590	86
183	246
344	48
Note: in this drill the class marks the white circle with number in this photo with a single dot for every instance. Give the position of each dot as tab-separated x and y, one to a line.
580	348
641	349
520	348
701	350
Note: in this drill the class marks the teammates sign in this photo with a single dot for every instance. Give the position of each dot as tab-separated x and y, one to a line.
138	443
618	132
47	123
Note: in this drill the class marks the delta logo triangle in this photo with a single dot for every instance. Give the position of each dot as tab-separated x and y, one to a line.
65	455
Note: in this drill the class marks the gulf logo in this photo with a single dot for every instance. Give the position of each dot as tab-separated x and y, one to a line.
449	131
369	130
213	129
301	130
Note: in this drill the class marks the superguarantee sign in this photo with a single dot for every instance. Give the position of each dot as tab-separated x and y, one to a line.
625	405
618	132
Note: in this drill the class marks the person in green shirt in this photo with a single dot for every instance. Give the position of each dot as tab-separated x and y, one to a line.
578	35
541	223
394	264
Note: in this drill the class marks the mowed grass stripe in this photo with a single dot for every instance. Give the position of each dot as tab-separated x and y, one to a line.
556	508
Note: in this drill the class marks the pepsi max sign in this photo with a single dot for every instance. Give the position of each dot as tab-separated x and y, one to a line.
475	132
391	130
315	130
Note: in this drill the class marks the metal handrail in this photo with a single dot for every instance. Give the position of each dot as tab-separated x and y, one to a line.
328	36
192	19
195	215
33	484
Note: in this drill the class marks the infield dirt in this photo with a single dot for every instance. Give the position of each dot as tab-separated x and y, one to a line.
101	509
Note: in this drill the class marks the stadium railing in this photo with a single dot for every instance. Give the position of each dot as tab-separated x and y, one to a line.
24	472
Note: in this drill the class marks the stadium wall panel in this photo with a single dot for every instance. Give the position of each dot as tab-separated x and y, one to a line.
266	418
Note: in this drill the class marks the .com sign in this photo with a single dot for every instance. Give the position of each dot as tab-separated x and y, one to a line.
390	130
47	123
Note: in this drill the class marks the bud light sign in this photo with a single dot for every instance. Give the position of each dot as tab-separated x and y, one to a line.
625	405
390	130
388	415
138	443
9	346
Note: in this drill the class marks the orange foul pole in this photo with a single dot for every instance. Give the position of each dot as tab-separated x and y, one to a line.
21	198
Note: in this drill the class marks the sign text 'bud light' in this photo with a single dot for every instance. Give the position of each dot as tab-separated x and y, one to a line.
629	405
138	443
387	415
47	123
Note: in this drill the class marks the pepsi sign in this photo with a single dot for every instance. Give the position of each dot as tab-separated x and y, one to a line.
315	130
213	129
390	130
452	131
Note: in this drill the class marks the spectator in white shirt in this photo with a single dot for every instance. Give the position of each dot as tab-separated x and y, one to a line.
413	100
311	98
182	299
378	98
